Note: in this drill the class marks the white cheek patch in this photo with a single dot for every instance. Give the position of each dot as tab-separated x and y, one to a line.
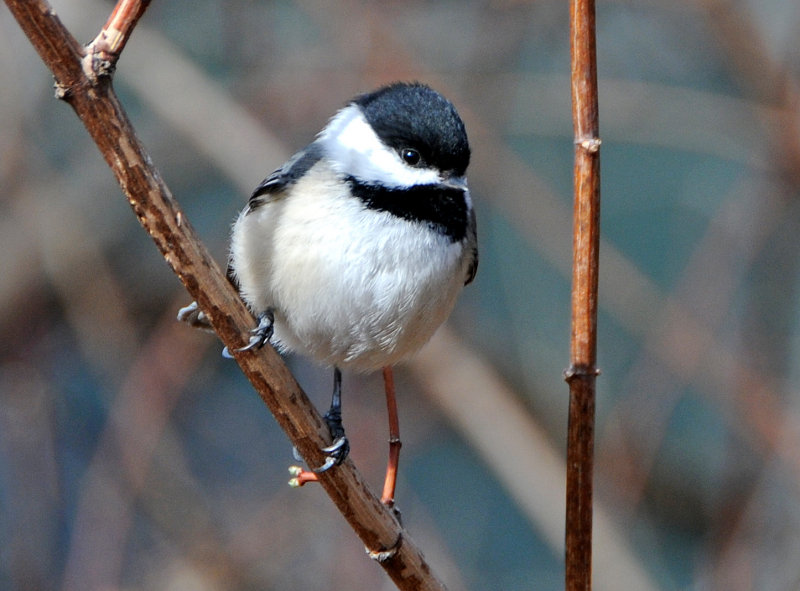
356	150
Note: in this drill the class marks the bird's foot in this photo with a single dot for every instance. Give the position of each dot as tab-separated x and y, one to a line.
259	336
335	453
194	317
262	333
338	450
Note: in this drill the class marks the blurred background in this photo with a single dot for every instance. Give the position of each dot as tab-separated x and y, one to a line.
133	456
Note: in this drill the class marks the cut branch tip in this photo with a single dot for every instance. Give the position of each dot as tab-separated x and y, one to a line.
301	476
61	91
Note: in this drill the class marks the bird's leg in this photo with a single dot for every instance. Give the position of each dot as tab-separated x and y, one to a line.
336	451
387	498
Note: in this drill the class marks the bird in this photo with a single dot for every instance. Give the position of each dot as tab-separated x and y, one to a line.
355	250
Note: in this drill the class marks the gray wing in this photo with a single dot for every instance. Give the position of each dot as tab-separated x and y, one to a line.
472	242
288	174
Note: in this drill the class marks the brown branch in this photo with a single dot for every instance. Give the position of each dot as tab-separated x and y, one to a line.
85	83
582	373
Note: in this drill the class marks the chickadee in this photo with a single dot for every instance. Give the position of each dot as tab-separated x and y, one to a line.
354	251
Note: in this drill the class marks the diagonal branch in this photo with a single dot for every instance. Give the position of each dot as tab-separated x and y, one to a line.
85	83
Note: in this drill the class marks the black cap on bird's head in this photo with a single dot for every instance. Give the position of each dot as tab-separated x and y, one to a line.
414	115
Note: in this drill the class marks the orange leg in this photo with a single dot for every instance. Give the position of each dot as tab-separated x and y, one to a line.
387	498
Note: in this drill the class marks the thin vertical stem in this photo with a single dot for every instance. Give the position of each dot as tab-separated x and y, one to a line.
582	372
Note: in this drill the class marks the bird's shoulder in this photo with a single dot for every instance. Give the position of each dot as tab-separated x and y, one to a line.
275	185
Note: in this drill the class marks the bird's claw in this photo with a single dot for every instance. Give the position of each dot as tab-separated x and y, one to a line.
336	452
195	317
262	333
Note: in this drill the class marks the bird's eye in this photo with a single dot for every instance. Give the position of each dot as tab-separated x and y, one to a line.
410	156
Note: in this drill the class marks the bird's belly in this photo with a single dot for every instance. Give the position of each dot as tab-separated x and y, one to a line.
365	306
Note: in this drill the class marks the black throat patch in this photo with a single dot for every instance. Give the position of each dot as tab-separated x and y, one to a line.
443	209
